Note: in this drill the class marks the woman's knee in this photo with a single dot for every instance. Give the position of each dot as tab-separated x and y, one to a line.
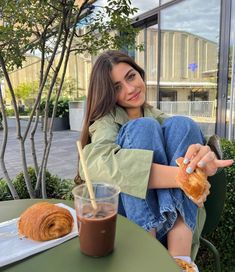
181	122
143	124
139	133
181	125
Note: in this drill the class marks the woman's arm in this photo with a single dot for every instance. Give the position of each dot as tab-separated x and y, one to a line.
197	155
163	176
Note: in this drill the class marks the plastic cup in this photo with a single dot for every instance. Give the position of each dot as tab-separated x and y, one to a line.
96	227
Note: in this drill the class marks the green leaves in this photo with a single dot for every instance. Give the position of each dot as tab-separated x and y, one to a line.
13	32
62	109
56	187
106	26
25	25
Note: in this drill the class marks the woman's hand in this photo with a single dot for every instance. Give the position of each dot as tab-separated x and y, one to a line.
194	185
202	156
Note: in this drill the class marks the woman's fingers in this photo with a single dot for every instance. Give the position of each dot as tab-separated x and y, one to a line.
201	156
195	154
191	152
211	165
209	157
224	163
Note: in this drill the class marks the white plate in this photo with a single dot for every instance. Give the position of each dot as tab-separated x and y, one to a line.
14	248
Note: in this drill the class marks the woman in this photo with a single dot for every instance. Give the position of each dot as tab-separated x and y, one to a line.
129	143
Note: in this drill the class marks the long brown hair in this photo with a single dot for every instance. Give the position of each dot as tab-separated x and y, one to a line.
101	98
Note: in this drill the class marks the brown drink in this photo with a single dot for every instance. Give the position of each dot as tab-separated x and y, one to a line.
96	223
97	229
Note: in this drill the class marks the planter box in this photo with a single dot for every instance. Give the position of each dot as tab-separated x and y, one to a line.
60	123
76	114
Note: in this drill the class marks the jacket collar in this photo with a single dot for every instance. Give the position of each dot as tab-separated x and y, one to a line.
121	117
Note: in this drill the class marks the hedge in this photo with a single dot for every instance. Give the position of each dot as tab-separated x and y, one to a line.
224	235
55	186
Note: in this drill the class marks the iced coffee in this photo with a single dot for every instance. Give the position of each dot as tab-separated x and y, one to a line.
96	227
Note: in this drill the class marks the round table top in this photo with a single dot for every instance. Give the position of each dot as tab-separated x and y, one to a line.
135	250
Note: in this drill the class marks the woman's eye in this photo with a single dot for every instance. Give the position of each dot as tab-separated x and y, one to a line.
118	88
131	76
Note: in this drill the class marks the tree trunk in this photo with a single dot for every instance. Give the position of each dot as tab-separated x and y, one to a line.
18	129
3	149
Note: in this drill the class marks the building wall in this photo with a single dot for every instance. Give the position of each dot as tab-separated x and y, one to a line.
29	72
187	64
179	51
78	71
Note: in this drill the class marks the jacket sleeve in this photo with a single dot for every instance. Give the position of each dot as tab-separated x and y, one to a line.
108	162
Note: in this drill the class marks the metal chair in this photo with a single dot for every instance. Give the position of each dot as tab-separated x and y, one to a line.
214	208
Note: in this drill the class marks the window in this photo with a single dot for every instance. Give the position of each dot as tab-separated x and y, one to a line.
231	80
189	52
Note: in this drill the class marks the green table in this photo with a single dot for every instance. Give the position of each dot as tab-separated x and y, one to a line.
135	250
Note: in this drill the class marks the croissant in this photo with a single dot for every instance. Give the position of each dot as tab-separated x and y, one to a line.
194	184
187	267
45	221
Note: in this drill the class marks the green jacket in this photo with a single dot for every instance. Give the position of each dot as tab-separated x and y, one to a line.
130	169
108	162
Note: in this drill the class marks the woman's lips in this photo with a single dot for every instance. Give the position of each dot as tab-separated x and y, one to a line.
134	96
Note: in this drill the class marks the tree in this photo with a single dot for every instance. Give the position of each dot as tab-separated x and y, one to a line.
53	28
68	87
25	93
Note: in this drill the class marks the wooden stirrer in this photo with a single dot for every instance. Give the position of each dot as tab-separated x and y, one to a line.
85	170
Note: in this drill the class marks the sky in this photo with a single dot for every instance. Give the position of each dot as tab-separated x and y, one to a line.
195	16
199	17
143	6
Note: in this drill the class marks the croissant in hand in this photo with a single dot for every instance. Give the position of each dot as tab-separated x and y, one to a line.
194	184
45	221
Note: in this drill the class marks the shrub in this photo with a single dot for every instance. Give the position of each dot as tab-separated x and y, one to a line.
62	109
10	112
24	111
20	186
55	186
4	191
223	237
64	190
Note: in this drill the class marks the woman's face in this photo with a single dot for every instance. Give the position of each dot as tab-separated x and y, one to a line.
129	86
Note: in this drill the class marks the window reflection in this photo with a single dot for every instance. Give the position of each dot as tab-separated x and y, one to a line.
231	80
165	1
189	53
144	6
148	60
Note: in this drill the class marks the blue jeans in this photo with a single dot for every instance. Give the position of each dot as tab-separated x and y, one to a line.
169	141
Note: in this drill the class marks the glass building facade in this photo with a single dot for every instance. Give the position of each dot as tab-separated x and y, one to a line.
189	59
187	68
231	77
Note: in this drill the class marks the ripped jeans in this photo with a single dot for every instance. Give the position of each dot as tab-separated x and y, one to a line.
169	141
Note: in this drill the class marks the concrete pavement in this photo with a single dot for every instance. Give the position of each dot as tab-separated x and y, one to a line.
62	158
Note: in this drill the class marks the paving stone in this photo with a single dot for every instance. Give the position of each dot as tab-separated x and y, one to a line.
62	158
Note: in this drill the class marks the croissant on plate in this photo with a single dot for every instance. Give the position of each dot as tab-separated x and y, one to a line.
194	184
45	221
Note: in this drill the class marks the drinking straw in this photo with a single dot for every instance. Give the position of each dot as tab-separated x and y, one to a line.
85	170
